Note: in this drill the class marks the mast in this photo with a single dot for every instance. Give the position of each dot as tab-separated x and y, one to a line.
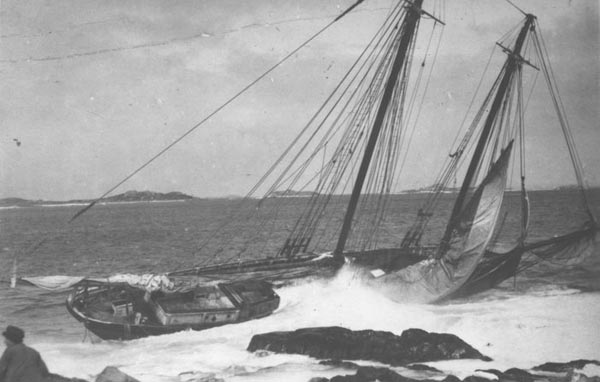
513	62
408	31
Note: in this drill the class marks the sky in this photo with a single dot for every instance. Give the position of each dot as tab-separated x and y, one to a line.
93	89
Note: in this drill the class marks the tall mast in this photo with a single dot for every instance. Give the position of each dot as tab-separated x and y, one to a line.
408	30
513	62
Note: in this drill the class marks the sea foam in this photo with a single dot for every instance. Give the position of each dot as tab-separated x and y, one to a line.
516	328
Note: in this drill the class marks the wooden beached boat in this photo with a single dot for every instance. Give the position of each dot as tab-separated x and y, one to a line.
123	312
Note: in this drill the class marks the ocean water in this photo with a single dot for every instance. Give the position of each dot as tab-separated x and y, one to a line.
548	313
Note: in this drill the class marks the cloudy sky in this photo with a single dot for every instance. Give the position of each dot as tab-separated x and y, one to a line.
92	89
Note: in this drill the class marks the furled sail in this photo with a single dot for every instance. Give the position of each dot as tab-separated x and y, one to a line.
570	248
433	279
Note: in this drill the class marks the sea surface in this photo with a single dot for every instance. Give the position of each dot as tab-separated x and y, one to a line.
548	313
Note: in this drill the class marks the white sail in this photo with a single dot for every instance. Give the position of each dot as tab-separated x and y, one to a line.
433	279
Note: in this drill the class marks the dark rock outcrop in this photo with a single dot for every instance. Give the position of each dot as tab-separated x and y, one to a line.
60	378
514	374
383	374
420	367
199	377
563	367
370	373
450	378
380	374
413	345
112	374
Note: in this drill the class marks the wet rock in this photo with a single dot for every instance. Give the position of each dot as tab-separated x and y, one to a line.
563	367
378	374
195	376
262	353
474	378
370	373
519	375
421	367
59	378
112	374
382	374
413	345
318	379
512	375
451	378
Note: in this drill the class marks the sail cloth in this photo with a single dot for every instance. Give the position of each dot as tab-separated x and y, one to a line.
148	281
53	283
433	279
568	249
57	283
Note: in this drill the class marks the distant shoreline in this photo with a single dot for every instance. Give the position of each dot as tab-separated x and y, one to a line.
125	198
133	197
67	204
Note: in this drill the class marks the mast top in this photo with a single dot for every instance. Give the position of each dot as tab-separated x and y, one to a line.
423	12
516	56
517	8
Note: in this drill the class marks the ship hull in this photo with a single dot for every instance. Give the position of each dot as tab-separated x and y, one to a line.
493	269
123	312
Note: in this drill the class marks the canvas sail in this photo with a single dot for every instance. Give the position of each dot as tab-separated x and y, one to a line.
433	279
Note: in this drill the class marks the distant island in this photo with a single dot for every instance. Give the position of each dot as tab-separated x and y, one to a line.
433	188
129	196
291	194
150	196
429	189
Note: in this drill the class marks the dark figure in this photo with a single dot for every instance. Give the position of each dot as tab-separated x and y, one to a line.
20	363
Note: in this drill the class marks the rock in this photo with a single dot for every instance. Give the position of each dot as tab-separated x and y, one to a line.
379	374
474	378
383	374
514	375
563	367
518	375
413	345
262	353
371	374
420	367
451	378
59	378
195	376
112	374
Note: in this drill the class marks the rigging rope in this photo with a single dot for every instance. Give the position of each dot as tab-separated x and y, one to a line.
376	41
517	8
217	110
542	52
32	248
